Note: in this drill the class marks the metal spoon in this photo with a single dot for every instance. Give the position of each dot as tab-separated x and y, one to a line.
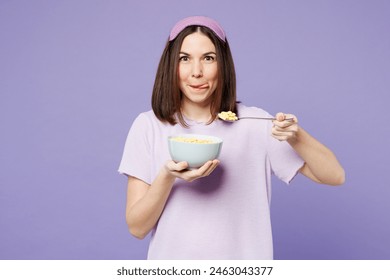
258	118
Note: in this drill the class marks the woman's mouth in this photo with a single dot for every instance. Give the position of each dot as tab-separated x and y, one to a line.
199	87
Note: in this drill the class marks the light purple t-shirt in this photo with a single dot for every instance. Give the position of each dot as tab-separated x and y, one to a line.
227	214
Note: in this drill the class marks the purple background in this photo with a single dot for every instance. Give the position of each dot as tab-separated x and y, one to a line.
74	74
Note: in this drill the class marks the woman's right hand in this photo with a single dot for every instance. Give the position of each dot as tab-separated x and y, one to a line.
180	170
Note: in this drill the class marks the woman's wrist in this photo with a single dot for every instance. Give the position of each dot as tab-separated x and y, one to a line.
166	175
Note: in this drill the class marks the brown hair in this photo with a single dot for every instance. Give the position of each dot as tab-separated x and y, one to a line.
166	97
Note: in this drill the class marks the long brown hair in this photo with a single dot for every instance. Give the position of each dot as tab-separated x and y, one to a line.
166	97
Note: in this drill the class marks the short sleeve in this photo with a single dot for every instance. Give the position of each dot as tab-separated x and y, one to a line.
136	158
285	162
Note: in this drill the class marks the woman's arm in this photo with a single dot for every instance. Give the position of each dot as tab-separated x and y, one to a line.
145	202
321	165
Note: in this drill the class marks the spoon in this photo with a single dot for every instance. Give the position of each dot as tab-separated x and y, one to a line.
258	118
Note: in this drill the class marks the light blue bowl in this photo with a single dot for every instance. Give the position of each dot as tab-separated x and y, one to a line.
195	154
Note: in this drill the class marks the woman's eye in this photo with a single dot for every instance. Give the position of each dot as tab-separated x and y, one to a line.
184	58
209	58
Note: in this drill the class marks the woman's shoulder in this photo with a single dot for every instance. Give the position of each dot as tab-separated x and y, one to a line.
251	111
146	116
148	119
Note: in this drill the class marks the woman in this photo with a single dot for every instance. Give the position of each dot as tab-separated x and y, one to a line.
221	210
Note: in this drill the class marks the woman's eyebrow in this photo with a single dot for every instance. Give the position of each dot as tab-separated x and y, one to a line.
205	54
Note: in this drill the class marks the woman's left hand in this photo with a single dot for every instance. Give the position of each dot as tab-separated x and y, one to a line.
285	127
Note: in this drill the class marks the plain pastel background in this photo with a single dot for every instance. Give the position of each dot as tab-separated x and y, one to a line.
75	74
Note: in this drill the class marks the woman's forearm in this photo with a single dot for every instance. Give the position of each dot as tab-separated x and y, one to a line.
321	161
144	214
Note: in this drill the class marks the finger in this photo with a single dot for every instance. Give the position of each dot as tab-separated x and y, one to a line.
289	128
291	118
285	124
191	175
179	166
284	132
277	130
212	167
280	117
202	170
285	136
282	124
280	138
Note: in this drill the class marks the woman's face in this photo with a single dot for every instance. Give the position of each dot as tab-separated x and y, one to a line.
198	71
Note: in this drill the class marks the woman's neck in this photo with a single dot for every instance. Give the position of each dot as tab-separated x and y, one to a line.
196	113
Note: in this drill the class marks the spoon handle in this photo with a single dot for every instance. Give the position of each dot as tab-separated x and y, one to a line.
260	118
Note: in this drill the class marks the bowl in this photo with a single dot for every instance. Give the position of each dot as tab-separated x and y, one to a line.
195	149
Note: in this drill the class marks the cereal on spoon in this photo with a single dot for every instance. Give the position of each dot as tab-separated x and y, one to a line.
228	116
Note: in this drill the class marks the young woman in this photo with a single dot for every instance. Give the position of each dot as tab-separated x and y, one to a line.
221	210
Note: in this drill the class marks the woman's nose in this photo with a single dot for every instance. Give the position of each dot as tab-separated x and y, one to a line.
197	70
